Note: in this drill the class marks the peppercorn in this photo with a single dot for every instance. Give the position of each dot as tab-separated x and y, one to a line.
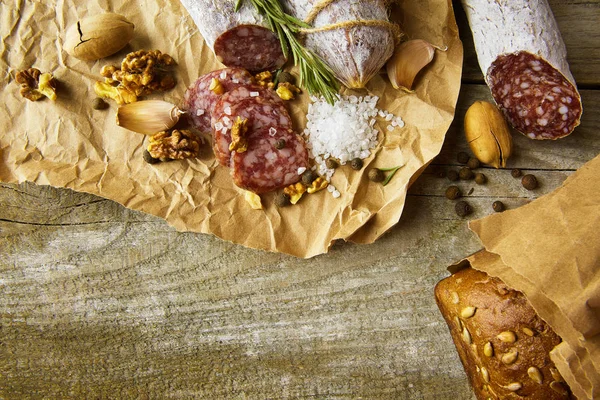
462	157
516	173
498	206
452	175
529	182
99	104
308	177
462	209
280	144
356	164
282	200
473	163
284	77
453	193
376	175
331	163
465	174
480	178
149	159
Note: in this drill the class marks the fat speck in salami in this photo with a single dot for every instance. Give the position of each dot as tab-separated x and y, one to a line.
524	60
266	165
199	100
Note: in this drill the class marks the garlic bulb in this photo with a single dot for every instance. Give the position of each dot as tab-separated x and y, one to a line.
148	116
407	61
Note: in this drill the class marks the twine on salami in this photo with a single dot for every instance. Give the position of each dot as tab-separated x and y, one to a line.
395	29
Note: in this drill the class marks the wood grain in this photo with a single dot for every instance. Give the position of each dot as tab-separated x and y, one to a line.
98	301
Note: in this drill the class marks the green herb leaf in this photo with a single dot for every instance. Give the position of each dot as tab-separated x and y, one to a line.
391	174
315	74
238	5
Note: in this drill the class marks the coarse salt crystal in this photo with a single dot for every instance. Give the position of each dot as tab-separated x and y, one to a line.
200	112
235	80
272	131
301	170
218	126
335	194
330	188
390	128
226	121
223	75
227	110
254	94
389	117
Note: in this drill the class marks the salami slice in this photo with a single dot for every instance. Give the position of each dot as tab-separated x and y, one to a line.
260	113
240	93
536	99
355	38
264	167
199	100
524	60
238	38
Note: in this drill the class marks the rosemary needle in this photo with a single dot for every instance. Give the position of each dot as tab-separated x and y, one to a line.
315	75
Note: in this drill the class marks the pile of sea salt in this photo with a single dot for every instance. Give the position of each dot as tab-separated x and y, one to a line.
344	131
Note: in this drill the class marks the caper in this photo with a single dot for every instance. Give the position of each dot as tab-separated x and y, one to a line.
99	104
376	175
331	163
356	164
280	144
149	159
282	200
308	177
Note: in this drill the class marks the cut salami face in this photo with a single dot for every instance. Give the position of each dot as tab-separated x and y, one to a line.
524	60
238	38
536	98
263	167
260	113
249	46
199	100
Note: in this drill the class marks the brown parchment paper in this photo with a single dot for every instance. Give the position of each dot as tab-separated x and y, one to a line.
550	250
67	144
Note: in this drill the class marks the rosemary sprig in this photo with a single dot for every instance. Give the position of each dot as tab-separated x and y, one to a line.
315	75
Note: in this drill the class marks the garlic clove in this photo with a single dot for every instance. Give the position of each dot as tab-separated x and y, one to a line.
408	60
488	134
148	116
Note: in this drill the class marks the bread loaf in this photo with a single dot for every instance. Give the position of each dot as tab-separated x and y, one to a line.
502	343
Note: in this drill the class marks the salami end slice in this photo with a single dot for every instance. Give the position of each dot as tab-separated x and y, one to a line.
265	167
537	99
250	46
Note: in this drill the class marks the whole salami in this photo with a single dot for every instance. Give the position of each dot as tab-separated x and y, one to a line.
524	60
354	37
267	165
238	38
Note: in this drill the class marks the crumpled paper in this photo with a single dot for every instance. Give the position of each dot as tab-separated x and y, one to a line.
550	251
68	144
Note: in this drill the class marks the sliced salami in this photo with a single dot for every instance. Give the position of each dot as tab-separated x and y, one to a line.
240	93
536	99
265	167
199	100
260	113
238	38
524	60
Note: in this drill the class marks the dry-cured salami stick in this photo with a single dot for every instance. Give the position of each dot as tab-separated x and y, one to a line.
524	60
238	38
354	37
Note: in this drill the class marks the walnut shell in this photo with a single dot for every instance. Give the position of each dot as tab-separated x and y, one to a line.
488	134
98	36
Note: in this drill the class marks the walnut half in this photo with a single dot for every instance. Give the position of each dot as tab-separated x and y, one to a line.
174	145
36	85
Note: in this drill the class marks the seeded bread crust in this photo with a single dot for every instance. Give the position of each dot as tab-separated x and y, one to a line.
502	343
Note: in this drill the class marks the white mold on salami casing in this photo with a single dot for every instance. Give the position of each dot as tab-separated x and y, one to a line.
510	26
357	53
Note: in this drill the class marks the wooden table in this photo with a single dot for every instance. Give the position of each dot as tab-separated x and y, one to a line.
97	301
